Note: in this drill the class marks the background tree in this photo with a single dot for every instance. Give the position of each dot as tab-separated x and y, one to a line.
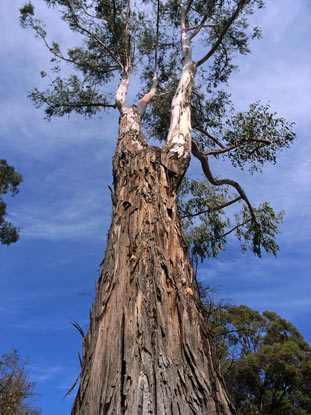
148	349
9	181
264	359
16	390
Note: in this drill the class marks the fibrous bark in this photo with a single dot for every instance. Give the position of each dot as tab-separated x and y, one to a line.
147	350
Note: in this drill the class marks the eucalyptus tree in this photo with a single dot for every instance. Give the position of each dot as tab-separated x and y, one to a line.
148	348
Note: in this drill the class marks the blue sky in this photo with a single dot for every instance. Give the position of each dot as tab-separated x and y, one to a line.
48	277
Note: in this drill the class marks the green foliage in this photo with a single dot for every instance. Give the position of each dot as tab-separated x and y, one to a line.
116	39
208	234
16	390
9	182
257	122
265	361
25	13
64	95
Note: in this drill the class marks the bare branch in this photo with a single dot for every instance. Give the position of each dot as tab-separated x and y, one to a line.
205	166
179	134
223	150
188	7
199	27
233	229
209	136
144	101
212	209
223	33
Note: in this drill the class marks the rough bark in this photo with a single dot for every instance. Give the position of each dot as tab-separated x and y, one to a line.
148	350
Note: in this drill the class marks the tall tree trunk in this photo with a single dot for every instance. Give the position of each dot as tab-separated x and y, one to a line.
147	350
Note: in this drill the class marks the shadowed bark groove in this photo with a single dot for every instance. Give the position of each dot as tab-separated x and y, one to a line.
147	350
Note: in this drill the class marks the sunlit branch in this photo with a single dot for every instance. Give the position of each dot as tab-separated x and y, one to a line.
179	134
205	166
144	101
121	91
223	33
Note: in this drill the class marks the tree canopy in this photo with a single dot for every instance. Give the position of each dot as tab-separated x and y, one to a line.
16	390
9	182
265	361
120	38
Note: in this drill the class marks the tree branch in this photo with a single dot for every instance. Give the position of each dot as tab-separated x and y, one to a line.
144	101
92	35
212	209
209	136
205	166
199	27
223	33
188	7
205	25
179	134
60	56
80	105
121	91
233	229
223	150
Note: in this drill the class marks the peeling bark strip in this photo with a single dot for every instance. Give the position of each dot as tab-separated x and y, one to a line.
147	350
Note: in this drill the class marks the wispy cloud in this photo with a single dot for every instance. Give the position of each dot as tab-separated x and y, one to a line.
45	373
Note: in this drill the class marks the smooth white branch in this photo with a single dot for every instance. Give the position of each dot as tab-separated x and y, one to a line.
179	135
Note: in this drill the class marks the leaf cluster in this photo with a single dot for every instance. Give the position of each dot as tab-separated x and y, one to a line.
202	209
9	182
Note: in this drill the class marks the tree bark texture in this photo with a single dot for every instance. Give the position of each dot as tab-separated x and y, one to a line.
147	350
